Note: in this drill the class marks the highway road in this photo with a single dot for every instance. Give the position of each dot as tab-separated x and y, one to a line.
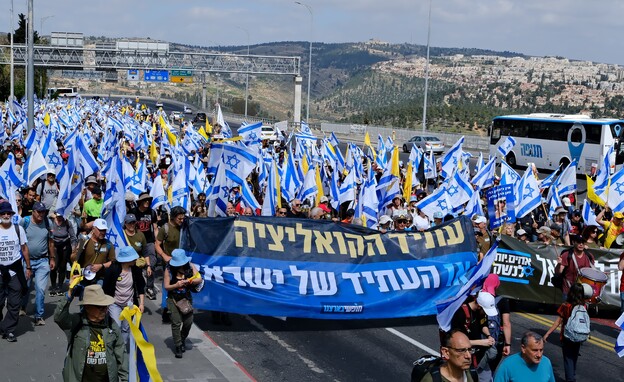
272	349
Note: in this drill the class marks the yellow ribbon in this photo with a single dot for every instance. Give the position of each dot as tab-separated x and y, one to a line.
147	349
75	268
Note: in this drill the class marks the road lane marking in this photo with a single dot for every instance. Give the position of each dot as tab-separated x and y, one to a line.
413	341
548	323
309	363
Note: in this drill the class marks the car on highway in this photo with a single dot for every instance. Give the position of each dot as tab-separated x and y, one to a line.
187	110
426	143
268	133
175	116
159	103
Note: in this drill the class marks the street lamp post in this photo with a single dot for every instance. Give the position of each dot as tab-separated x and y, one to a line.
424	121
30	72
12	92
247	77
310	59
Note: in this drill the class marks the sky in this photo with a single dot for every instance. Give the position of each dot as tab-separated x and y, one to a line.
576	29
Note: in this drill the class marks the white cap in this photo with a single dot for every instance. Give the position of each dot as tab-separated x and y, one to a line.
100	224
324	199
480	219
566	202
384	219
488	303
521	232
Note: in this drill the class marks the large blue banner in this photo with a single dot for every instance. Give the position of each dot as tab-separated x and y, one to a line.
321	269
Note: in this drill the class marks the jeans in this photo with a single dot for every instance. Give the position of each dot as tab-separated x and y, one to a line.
114	311
570	352
40	274
621	302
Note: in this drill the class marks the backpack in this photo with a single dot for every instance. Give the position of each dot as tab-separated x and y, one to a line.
577	328
430	364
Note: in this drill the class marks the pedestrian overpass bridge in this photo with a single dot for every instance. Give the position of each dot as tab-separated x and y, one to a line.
102	59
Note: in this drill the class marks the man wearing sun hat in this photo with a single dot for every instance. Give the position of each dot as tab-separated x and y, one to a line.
612	227
96	348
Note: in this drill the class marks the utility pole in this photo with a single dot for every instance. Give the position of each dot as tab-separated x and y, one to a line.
30	75
12	93
424	121
310	59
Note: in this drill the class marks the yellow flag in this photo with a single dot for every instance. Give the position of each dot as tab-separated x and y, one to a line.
395	163
202	132
407	187
153	153
173	140
367	139
319	186
591	193
46	119
278	186
304	164
208	128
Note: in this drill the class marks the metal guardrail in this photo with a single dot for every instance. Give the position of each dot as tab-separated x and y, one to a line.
402	135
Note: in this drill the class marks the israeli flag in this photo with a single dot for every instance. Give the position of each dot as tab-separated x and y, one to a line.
527	195
485	177
452	158
446	309
157	193
616	191
602	177
251	132
566	183
505	147
619	343
589	216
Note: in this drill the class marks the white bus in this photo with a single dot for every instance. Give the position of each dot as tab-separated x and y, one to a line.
553	140
63	92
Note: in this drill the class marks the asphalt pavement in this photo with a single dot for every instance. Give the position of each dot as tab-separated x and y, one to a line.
39	352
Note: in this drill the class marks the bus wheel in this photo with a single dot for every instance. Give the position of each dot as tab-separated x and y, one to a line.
405	148
563	163
511	160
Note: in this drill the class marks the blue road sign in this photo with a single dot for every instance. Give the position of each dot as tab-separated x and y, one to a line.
156	75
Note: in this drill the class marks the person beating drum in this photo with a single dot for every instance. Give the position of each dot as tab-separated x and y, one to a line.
570	261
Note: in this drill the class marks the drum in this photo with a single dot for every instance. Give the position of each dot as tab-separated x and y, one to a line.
594	278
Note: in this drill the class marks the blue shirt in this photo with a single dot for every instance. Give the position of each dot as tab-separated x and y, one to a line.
515	369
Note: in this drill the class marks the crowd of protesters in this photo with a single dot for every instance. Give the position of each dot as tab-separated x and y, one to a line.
46	244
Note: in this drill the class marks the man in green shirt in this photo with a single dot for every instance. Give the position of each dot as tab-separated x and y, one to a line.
92	208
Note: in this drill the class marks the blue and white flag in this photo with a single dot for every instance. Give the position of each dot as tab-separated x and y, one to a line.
309	189
369	202
446	309
554	202
219	194
157	193
619	342
87	161
474	206
251	132
270	203
602	177
528	196
508	175
459	190
505	147
238	161
437	201
588	214
485	177
10	178
616	191
34	167
452	158
549	180
305	128
566	183
114	206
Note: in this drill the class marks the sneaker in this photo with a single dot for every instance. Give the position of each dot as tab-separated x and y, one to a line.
149	293
53	291
39	321
22	312
10	337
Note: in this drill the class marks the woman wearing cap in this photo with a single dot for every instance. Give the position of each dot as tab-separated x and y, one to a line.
179	282
96	350
124	282
569	349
